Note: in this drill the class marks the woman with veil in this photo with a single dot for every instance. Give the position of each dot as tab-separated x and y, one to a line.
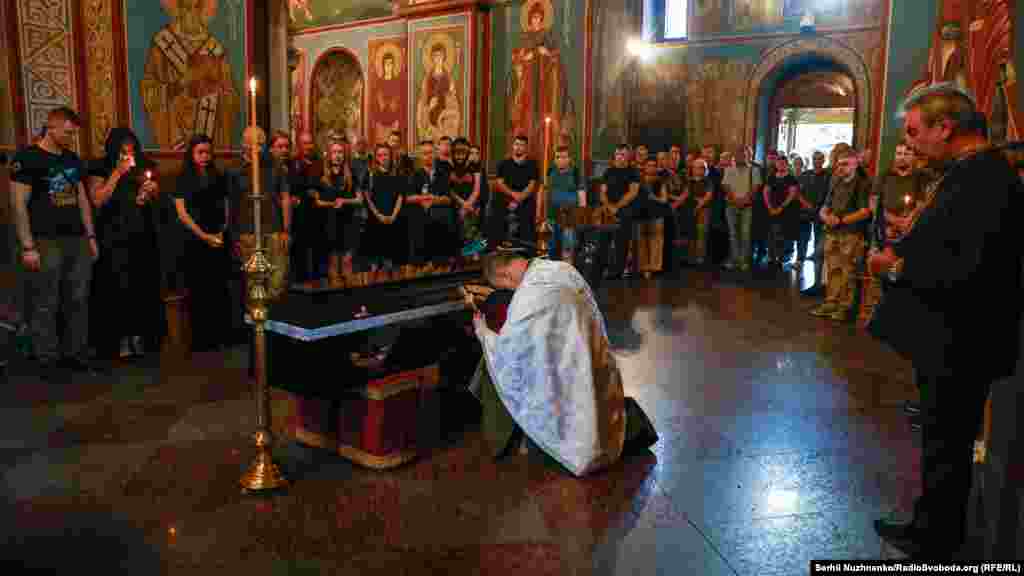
127	312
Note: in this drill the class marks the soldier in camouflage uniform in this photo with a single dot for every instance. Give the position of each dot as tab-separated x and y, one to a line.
845	215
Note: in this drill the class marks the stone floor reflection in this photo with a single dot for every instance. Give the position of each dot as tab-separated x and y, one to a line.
781	439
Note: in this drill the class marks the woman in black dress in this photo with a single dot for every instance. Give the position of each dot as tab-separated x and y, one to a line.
384	242
337	196
202	207
126	309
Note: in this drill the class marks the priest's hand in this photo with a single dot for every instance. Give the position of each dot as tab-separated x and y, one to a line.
479	323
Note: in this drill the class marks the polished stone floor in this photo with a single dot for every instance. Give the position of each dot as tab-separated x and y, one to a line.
782	438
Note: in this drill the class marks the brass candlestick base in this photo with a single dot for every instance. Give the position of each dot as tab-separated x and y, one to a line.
263	473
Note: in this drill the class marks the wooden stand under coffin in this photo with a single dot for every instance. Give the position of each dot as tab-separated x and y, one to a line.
381	425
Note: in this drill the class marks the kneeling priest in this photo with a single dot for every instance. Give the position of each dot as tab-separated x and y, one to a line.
549	369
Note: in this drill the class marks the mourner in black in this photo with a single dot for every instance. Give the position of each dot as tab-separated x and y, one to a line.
202	207
514	213
955	276
384	243
125	304
429	212
53	221
339	197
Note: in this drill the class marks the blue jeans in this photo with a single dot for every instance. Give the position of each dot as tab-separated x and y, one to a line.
561	239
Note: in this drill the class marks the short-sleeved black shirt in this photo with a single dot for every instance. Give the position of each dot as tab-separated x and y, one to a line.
54	178
618	181
205	199
518	176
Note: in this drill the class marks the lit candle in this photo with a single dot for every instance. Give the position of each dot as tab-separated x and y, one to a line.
252	101
906	202
149	175
254	150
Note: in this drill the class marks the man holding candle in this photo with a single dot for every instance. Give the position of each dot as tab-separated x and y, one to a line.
954	278
899	192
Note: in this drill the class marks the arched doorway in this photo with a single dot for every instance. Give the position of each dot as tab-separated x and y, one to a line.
811	110
336	93
797	58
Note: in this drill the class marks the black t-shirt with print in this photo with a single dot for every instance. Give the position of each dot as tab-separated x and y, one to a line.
54	178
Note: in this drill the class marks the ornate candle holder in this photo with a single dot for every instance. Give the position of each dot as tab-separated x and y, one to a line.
263	473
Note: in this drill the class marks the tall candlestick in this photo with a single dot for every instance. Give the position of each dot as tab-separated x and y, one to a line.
263	474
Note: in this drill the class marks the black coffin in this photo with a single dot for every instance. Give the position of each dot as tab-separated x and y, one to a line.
321	342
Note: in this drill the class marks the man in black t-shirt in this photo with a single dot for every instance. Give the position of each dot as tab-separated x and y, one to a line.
515	204
619	193
53	218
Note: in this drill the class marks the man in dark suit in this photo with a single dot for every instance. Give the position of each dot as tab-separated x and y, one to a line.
955	280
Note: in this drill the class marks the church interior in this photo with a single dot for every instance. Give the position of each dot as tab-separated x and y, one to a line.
782	436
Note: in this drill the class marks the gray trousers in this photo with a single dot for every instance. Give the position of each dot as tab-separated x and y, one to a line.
60	286
739	221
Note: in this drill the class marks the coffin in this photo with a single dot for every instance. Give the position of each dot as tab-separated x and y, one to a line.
384	355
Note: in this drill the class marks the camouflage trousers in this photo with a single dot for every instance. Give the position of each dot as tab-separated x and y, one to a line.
276	249
843	251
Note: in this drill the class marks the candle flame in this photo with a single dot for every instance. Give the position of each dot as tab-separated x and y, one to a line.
252	84
907	198
149	174
547	119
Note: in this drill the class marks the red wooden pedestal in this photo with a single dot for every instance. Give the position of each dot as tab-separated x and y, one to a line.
375	425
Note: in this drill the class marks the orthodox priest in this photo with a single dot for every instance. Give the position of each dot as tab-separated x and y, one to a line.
954	273
549	369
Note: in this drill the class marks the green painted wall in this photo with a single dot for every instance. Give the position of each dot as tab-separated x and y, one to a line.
907	58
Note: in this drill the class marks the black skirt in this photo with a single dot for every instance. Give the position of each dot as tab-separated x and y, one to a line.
207	273
344	230
385	241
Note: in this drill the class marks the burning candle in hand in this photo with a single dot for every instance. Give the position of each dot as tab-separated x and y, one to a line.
906	203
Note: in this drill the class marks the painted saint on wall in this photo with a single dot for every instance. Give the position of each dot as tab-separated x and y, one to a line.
387	89
187	87
337	98
537	87
439	96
